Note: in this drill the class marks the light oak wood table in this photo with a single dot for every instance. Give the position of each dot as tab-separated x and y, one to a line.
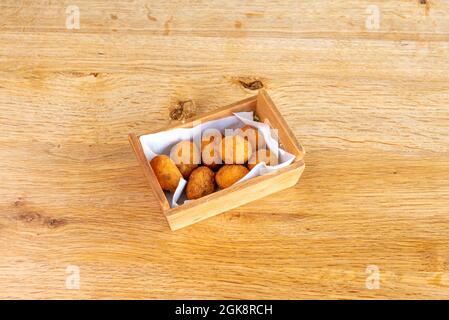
364	85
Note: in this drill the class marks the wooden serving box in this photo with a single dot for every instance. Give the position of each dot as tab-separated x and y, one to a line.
230	198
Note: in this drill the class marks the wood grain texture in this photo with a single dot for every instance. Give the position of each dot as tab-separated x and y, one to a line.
370	108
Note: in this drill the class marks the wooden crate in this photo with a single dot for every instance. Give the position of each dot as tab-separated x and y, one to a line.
231	197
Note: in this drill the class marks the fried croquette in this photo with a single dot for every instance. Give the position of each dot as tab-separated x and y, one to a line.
264	155
230	174
166	172
253	136
235	150
201	183
186	156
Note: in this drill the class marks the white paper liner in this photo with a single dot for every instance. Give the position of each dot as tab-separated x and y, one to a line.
161	142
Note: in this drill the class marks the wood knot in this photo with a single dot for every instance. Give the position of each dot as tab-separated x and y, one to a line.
54	223
423	1
183	110
176	113
37	219
28	217
19	203
252	85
